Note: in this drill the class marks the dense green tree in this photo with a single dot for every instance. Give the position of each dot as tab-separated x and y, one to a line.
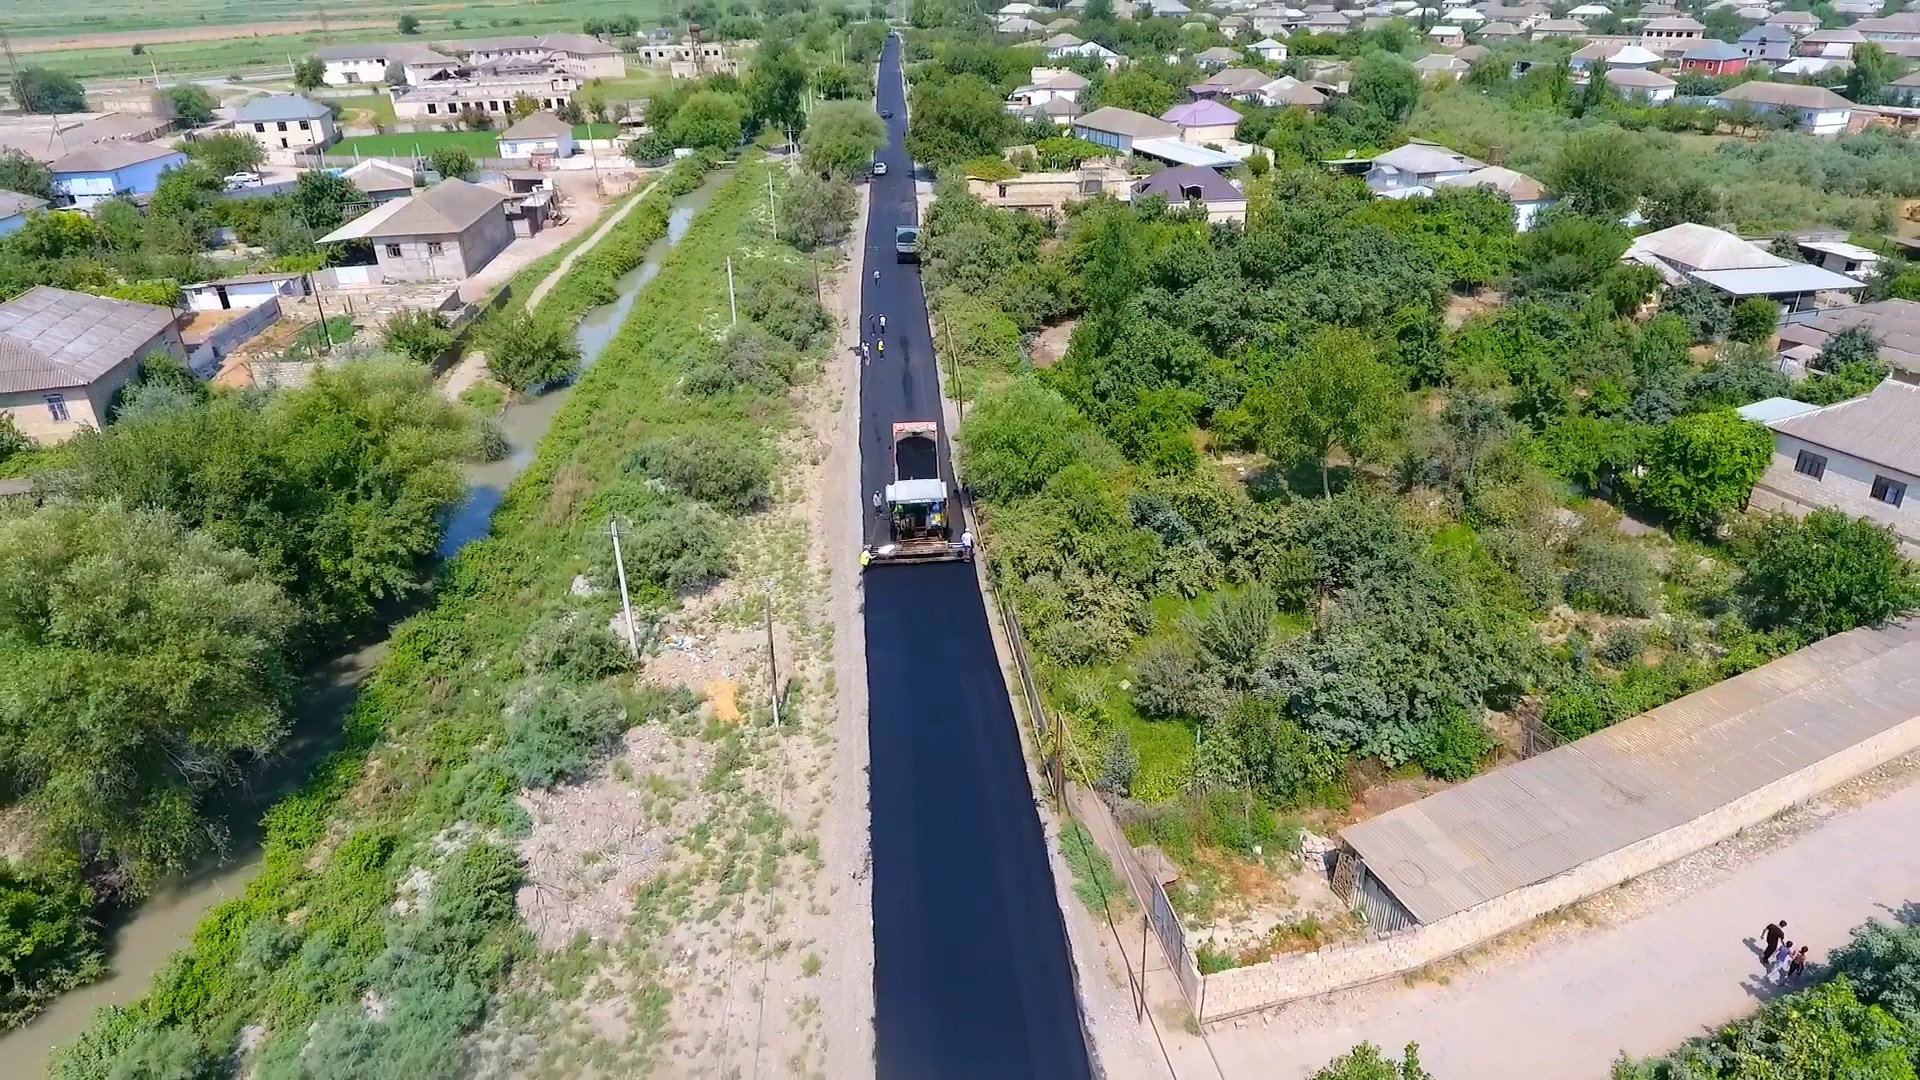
775	87
309	73
1674	200
1365	1062
1754	320
47	939
320	199
408	24
1016	439
956	119
529	349
192	103
1386	85
1870	70
1598	173
140	664
339	488
1335	395
44	90
226	153
420	336
1137	89
452	161
708	119
1702	467
817	212
1823	574
23	173
1825	1032
841	139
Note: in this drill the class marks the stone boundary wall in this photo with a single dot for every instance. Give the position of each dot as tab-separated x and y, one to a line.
1303	975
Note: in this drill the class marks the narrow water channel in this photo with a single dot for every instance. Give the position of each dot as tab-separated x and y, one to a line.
140	944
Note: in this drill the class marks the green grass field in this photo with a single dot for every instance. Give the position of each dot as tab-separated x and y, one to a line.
478	143
255	44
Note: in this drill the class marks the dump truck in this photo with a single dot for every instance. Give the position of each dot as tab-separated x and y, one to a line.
906	243
919	522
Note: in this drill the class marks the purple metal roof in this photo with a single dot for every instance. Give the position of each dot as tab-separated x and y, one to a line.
1200	114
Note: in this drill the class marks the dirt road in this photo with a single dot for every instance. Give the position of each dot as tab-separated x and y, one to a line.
1568	1008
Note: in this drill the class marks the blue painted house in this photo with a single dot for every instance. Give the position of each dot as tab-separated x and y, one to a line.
14	208
117	167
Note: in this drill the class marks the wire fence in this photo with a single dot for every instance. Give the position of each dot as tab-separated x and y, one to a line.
1086	808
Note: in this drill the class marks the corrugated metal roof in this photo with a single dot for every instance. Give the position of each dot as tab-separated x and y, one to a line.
1882	427
52	338
1542	817
1767	410
1777	280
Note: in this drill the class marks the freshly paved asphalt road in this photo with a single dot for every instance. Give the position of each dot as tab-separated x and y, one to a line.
971	973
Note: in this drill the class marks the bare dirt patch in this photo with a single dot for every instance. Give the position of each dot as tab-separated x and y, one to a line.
1050	344
701	902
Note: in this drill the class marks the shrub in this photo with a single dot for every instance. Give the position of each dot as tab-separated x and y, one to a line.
1754	320
747	358
677	546
570	647
1621	647
1118	764
420	336
47	940
779	296
1610	576
1581	706
452	161
1702	467
728	472
554	732
1827	573
529	349
1457	746
1524	556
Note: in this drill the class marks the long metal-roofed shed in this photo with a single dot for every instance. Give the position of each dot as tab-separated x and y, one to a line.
1551	814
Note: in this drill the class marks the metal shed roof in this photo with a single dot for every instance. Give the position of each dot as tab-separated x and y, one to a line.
1542	817
1776	280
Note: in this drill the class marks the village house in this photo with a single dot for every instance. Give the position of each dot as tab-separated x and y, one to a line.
1217	57
14	208
1269	50
1436	66
594	58
1119	128
286	125
443	102
1638	84
1861	457
1672	35
445	233
1203	121
1047	194
381	180
1528	196
1833	252
1894	324
1045	85
1242	84
539	136
1448	37
1191	185
1497	32
1795	22
102	171
63	356
1560	28
1772	44
1287	92
243	291
1813	109
1714	58
1738	268
1830	44
1900	26
1414	169
373	62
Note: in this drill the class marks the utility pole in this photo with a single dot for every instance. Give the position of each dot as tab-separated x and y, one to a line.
772	213
733	312
626	605
773	661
